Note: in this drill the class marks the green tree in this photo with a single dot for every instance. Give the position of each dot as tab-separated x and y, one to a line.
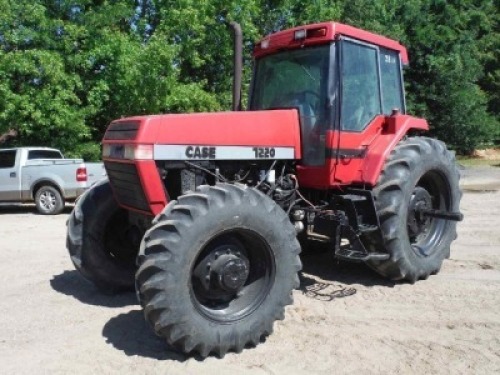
37	95
68	68
449	43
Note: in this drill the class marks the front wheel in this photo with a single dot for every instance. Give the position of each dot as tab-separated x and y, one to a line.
102	243
420	174
217	269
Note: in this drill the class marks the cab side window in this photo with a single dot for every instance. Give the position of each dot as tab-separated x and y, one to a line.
359	86
7	159
390	72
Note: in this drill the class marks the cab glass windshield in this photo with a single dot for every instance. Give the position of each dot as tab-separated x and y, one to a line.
297	79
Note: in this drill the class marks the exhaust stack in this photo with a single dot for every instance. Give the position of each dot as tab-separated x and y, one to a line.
238	64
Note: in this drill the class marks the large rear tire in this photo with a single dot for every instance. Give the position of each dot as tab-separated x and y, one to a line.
420	173
102	244
217	269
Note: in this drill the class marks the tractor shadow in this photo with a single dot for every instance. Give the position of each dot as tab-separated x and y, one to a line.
322	265
72	284
127	332
130	334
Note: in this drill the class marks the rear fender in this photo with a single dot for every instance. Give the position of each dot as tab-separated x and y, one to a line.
393	130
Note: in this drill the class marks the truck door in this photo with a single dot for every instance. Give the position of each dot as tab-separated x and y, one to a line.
10	189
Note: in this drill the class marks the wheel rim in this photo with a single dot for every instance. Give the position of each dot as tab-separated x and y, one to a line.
232	275
47	200
425	233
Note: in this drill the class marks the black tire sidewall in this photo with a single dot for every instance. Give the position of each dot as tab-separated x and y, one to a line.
427	264
223	221
412	159
236	213
86	237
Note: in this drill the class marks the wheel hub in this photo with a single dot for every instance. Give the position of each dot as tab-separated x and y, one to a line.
231	272
47	200
418	223
224	271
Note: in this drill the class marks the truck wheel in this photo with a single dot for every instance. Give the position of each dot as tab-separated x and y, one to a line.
217	269
49	200
102	244
420	172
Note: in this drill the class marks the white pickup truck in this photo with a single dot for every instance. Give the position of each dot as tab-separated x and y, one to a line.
44	176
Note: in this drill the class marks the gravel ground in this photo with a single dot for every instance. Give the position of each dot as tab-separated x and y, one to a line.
345	319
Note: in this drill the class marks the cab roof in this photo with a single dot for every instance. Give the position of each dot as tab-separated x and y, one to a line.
322	33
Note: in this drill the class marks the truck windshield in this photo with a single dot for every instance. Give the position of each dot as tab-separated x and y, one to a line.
297	79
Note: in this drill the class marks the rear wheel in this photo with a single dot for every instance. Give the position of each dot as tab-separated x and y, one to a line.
217	269
102	244
49	200
419	174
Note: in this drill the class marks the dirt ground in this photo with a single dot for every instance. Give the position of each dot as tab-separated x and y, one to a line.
345	318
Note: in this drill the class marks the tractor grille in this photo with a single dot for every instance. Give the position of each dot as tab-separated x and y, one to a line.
127	185
122	130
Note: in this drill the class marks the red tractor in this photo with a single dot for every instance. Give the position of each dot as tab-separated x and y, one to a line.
205	214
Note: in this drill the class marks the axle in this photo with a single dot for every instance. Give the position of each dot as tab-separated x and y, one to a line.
441	214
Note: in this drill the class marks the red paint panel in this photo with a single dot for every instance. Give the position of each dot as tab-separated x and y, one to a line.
349	170
285	39
321	177
379	139
152	185
395	128
278	128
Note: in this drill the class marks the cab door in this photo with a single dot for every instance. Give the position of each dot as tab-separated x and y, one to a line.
370	88
9	176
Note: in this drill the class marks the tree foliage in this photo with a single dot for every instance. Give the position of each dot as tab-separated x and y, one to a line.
68	68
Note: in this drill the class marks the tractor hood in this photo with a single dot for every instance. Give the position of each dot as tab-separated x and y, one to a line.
190	132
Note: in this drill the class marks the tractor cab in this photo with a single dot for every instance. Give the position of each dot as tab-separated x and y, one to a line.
343	81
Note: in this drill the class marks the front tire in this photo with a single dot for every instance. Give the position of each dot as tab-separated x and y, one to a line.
217	269
102	244
420	173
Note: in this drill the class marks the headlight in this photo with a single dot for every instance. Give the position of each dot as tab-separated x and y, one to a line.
130	152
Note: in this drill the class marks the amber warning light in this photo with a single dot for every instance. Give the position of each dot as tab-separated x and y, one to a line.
310	33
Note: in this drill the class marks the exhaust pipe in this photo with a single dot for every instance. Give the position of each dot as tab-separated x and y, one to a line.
238	64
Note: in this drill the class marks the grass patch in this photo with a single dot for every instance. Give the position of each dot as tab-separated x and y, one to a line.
470	161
